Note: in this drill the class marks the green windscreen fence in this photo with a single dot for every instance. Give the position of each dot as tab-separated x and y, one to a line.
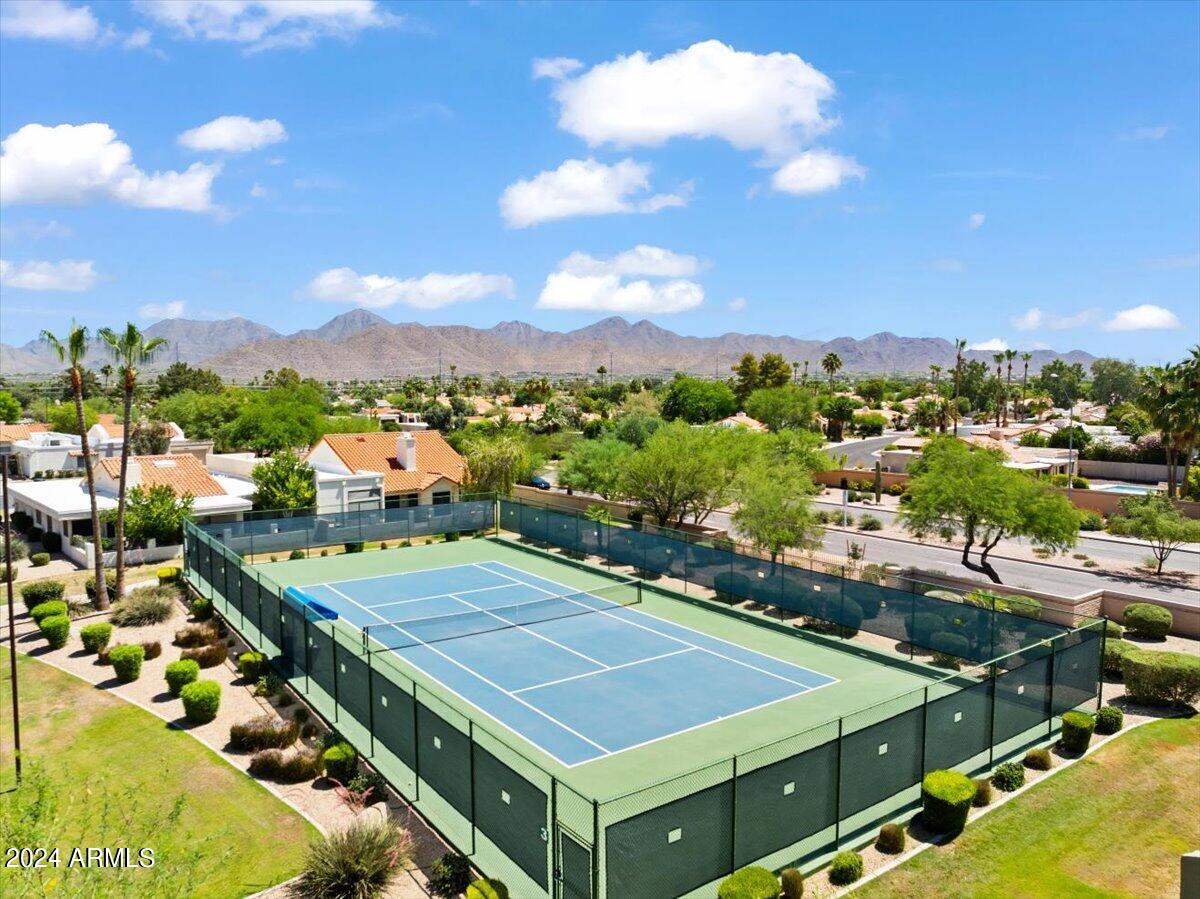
775	805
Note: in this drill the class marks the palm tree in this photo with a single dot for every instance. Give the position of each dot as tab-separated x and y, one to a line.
129	349
998	358
1025	358
602	371
936	371
804	378
960	344
832	363
71	353
795	372
107	371
1009	356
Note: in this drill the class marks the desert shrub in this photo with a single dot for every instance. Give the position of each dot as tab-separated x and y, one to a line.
945	800
1008	777
1114	655
145	605
95	636
301	714
1038	760
127	662
356	547
56	629
110	580
1148	620
359	861
196	635
270	684
251	665
1112	630
1109	720
296	554
22	521
366	780
1161	678
792	883
950	648
180	674
39	560
1025	606
209	656
1091	520
41	591
201	700
846	868
169	575
749	883
34	534
891	839
1077	730
202	608
297	767
341	762
450	875
869	523
46	609
8	573
152	648
51	543
17	546
263	732
983	793
487	888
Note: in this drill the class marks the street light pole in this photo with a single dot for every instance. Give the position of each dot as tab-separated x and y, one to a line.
12	633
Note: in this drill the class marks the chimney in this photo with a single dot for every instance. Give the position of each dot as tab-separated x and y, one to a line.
406	451
133	475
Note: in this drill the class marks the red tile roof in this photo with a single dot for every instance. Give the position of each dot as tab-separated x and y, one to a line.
436	459
183	473
21	432
109	421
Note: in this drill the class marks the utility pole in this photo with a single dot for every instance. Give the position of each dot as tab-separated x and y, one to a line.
12	633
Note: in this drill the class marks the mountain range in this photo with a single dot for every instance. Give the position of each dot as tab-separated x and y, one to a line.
363	345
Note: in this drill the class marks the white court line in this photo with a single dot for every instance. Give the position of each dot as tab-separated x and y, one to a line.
476	674
512	624
677	640
401	602
563	680
375	577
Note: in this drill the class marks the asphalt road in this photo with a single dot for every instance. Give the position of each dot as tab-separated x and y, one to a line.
858	452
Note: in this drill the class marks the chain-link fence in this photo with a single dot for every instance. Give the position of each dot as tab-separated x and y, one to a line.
785	803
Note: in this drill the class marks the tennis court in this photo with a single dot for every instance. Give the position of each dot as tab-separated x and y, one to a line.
580	674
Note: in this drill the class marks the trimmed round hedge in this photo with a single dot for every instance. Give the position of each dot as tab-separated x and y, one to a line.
202	609
1148	620
46	609
341	762
127	661
201	700
252	665
1109	720
946	798
1077	728
1009	776
753	882
1161	678
95	636
41	591
487	888
846	868
891	839
180	674
56	629
1114	655
39	560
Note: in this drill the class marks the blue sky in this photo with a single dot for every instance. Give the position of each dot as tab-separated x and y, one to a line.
1020	173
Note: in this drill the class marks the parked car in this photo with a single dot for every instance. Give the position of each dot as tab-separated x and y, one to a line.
539	482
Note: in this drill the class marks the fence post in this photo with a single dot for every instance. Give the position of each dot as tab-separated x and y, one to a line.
733	822
1100	668
992	716
837	804
371	703
416	746
595	849
336	665
307	654
924	731
555	871
471	745
1050	698
912	622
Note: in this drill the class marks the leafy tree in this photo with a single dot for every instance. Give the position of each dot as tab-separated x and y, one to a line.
1155	519
201	416
595	466
155	514
1129	420
782	407
668	475
774	510
773	371
71	352
65	419
10	409
801	448
150	438
872	390
272	422
1063	381
1114	381
635	428
871	424
533	391
284	379
697	401
496	461
349	424
180	376
838	412
1072	435
969	491
746	376
285	481
438	416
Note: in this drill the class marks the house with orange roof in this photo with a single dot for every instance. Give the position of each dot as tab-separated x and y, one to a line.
742	420
389	470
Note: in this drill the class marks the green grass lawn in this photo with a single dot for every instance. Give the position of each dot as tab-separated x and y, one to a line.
116	767
1114	824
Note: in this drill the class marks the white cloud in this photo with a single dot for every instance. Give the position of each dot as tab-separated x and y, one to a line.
1035	319
1171	262
584	187
994	345
72	275
607	293
48	20
556	69
433	291
814	172
34	230
267	24
158	311
737	304
975	221
1146	317
257	191
233	134
1147	132
641	260
74	164
948	264
138	39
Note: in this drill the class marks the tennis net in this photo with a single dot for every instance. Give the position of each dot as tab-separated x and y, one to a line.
456	625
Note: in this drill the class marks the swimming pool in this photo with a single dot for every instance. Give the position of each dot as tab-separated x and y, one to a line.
1129	489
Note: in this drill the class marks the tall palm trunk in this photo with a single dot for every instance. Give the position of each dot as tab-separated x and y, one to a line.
122	486
101	597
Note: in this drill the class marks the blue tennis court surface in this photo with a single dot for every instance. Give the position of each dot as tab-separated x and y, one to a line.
579	675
